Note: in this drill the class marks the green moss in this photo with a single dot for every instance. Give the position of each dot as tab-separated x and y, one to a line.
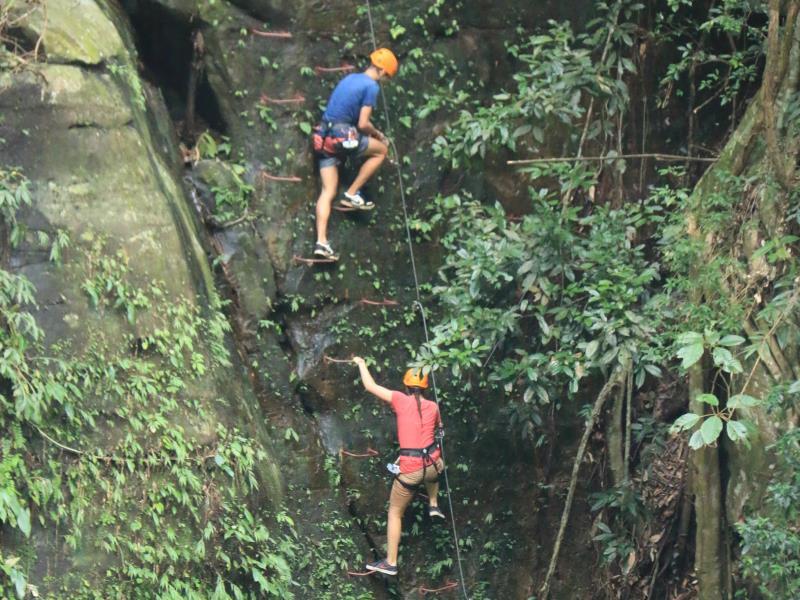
74	31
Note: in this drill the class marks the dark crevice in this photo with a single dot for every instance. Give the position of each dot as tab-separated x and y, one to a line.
262	11
18	41
94	125
99	67
164	40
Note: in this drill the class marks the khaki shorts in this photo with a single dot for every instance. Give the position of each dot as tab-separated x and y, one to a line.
401	495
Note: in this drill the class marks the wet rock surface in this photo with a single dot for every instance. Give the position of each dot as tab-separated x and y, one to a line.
95	130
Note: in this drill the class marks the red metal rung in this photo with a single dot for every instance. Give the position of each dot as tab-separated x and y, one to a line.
384	302
368	454
271	34
312	261
344	67
296	99
360	573
450	585
291	178
329	359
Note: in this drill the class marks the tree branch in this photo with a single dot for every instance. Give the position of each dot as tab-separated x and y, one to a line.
774	71
617	377
656	155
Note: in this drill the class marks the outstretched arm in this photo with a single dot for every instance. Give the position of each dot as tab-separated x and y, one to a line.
365	124
369	383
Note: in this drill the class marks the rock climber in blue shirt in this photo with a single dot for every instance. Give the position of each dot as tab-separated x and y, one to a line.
346	129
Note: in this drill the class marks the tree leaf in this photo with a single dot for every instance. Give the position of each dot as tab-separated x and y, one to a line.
690	354
20	585
522	130
696	441
724	359
731	340
710	429
591	348
654	370
689	338
259	579
708	399
24	521
742	400
685	422
736	431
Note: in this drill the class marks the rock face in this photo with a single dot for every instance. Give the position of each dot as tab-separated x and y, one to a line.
96	136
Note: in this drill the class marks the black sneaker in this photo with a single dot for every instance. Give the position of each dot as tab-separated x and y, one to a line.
356	201
382	566
325	251
435	511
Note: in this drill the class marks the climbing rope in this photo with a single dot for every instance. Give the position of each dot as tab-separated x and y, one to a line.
418	302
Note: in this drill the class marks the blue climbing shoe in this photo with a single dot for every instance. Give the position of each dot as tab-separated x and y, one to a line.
382	566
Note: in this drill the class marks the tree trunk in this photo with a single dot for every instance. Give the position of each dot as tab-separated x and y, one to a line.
614	438
755	143
709	560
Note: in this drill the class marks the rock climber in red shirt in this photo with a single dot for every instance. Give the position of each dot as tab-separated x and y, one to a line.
420	455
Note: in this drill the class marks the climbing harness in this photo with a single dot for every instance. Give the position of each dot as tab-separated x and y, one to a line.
423	453
337	139
418	302
427	461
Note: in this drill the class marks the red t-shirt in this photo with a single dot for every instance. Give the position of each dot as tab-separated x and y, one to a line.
410	432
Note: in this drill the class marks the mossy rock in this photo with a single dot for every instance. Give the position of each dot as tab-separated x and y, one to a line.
73	31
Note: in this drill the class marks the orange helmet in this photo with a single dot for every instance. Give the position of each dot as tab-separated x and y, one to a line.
415	378
383	58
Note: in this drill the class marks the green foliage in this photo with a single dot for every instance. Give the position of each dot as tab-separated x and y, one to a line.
721	74
692	346
565	295
560	72
232	201
14	194
770	540
108	282
211	148
266	116
616	547
621	509
169	497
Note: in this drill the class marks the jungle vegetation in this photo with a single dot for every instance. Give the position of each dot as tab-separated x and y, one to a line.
647	301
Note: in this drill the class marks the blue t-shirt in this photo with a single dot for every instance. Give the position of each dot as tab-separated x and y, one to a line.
350	95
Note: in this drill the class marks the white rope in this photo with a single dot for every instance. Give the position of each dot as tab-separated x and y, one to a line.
418	302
